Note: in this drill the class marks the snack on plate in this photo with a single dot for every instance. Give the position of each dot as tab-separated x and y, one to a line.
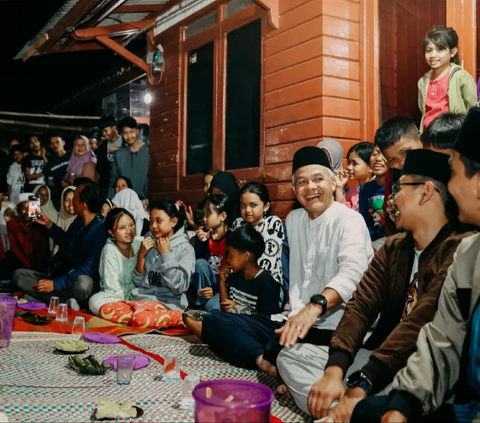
208	392
88	365
72	346
111	410
229	398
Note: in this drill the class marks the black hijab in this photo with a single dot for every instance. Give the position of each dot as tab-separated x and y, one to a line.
226	182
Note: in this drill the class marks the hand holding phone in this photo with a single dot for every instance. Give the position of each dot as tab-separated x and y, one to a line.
33	207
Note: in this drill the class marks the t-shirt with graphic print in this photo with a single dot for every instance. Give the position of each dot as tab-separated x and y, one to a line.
271	229
214	251
36	165
16	179
370	206
411	299
261	293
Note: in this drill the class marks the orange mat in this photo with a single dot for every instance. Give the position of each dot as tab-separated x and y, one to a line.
92	324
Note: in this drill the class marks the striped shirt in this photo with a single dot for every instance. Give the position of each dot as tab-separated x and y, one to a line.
436	102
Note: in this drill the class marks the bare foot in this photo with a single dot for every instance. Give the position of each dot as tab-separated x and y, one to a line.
266	366
282	389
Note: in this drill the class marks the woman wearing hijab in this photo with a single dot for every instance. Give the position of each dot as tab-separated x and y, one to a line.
128	199
334	152
82	162
46	205
225	183
67	212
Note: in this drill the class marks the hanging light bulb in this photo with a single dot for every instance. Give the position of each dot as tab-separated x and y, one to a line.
147	98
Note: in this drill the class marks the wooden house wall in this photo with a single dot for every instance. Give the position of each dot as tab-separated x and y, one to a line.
312	80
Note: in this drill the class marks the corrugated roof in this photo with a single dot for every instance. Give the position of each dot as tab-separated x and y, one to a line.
69	4
113	19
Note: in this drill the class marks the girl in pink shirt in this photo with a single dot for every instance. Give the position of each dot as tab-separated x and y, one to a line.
358	168
446	87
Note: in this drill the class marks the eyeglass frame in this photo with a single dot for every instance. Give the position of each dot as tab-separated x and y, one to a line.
397	185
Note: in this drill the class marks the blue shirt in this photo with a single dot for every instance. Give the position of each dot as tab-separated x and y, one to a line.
371	198
86	245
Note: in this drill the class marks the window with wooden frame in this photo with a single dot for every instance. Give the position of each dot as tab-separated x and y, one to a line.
222	56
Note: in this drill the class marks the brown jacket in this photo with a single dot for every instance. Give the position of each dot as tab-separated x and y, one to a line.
382	290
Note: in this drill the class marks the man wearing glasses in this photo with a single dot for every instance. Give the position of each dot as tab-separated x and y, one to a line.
401	286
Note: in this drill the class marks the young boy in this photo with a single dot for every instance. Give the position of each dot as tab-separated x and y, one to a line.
245	288
15	176
394	138
441	134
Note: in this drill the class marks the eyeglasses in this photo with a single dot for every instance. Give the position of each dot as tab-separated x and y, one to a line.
396	187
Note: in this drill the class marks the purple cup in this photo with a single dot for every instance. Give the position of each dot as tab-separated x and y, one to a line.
251	402
7	314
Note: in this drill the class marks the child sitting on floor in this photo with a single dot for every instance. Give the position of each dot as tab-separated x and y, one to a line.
245	288
358	169
210	252
162	274
255	210
118	259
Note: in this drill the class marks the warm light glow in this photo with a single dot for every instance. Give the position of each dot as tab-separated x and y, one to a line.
148	98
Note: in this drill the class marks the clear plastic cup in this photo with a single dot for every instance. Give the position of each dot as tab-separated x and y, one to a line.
7	314
232	401
62	313
53	307
125	364
78	326
171	368
189	383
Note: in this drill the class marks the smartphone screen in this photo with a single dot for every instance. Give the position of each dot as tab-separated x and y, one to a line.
33	207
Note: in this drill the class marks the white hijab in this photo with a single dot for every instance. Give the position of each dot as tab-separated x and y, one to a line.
128	199
65	219
49	209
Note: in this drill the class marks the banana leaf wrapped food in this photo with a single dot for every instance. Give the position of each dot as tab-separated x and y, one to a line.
88	365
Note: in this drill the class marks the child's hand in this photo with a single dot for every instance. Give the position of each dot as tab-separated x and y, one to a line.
163	245
391	209
202	235
227	305
189	215
341	178
206	292
147	245
224	272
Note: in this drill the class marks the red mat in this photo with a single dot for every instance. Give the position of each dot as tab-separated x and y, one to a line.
92	324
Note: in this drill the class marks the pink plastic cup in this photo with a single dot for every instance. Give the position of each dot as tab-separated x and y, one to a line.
7	314
232	401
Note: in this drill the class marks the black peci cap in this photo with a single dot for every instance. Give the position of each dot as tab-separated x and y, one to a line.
468	140
310	156
428	163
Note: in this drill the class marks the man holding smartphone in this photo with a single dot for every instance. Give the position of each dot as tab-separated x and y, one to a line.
84	240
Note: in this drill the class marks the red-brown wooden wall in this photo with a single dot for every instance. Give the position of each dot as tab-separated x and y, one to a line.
403	26
312	79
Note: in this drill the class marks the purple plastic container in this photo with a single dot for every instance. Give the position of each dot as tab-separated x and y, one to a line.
7	313
252	402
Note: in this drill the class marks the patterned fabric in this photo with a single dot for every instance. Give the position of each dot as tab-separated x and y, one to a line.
38	387
271	229
143	314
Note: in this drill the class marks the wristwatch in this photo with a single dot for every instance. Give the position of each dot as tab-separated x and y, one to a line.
321	301
359	380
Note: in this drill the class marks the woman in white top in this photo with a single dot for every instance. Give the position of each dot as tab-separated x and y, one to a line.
118	259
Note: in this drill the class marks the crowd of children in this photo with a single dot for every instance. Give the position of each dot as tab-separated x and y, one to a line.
363	256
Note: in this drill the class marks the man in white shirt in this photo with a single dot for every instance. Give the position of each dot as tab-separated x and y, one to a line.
330	248
15	176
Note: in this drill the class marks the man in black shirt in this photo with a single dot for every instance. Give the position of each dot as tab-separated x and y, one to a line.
34	165
113	141
56	168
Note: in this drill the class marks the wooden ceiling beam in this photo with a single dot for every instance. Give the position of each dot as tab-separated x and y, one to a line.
141	8
122	51
118	30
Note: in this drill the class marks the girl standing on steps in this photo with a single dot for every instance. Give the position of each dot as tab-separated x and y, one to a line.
446	87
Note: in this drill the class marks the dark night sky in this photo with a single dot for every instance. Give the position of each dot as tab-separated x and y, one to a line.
43	81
